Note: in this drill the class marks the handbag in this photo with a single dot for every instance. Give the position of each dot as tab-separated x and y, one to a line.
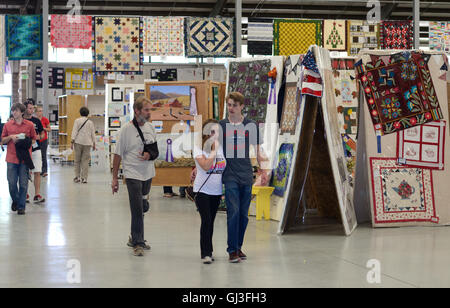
190	194
151	148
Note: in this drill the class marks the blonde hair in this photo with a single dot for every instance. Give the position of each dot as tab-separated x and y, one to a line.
139	103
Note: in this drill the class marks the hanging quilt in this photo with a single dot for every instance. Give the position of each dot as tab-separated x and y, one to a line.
396	34
348	120
345	85
281	173
422	146
210	37
2	50
362	35
24	37
118	45
399	91
163	36
55	77
335	35
79	79
293	37
71	32
440	36
290	109
260	36
401	194
251	80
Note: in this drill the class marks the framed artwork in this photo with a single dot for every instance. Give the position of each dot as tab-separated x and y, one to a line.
113	135
171	96
116	95
116	110
127	94
114	122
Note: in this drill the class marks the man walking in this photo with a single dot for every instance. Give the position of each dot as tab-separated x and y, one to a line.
44	141
138	169
36	154
14	132
239	134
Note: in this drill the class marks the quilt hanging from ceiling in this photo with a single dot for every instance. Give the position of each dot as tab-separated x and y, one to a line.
71	32
250	78
396	34
399	91
422	146
439	35
163	36
260	36
292	37
335	35
401	194
281	173
210	37
24	37
361	35
118	45
2	50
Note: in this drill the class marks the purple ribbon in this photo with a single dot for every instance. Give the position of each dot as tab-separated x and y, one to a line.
272	92
169	156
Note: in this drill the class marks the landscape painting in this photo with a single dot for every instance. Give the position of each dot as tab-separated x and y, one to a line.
170	96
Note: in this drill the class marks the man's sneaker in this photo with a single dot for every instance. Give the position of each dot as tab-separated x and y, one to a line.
234	258
28	199
242	255
76	180
130	244
83	181
21	212
38	199
14	206
138	251
207	260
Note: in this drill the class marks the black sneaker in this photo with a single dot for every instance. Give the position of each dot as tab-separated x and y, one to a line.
242	255
14	206
234	258
21	212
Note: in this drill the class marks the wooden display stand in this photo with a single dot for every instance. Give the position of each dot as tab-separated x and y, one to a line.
68	111
180	176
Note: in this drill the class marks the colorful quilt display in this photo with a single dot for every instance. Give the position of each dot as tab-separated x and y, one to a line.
293	37
79	79
362	35
251	79
281	173
163	36
260	37
55	77
24	37
345	87
348	120
399	91
440	36
401	194
396	34
290	109
118	45
210	37
71	32
422	146
293	68
2	50
335	35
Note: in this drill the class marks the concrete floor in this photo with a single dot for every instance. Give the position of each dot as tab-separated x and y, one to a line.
86	223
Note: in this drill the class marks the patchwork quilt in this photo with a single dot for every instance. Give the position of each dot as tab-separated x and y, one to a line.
281	173
210	37
396	34
260	36
335	35
361	35
24	39
71	32
163	36
399	91
439	36
2	50
293	37
118	45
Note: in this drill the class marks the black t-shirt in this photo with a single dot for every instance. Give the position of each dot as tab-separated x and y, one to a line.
236	143
39	129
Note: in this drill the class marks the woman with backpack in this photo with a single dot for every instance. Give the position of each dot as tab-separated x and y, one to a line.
83	138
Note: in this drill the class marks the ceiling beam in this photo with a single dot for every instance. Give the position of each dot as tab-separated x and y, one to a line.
387	10
218	8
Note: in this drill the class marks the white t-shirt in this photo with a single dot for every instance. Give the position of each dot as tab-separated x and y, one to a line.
129	146
213	185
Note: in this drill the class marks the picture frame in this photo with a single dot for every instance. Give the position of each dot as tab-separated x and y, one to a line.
116	95
127	91
114	122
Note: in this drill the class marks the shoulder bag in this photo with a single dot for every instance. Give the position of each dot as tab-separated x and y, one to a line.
151	148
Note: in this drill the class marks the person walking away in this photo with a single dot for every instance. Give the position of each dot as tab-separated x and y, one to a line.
14	131
210	164
239	133
138	169
83	138
44	141
36	155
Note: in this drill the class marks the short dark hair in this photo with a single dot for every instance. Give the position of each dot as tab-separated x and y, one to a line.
18	106
28	102
235	96
84	111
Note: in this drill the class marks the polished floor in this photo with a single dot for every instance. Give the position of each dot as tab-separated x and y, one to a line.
87	224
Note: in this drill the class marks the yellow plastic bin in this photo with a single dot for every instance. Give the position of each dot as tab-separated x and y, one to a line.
263	194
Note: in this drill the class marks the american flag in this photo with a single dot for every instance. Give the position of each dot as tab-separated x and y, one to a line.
312	82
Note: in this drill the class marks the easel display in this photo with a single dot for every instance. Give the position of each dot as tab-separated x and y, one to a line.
175	105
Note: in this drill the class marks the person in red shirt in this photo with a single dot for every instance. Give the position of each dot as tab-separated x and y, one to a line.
44	141
17	171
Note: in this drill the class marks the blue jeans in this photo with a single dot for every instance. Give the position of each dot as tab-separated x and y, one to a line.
18	173
237	198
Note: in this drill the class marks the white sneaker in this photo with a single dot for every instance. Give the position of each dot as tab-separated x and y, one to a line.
207	260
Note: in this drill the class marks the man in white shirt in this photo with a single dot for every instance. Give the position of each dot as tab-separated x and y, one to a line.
83	138
138	170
